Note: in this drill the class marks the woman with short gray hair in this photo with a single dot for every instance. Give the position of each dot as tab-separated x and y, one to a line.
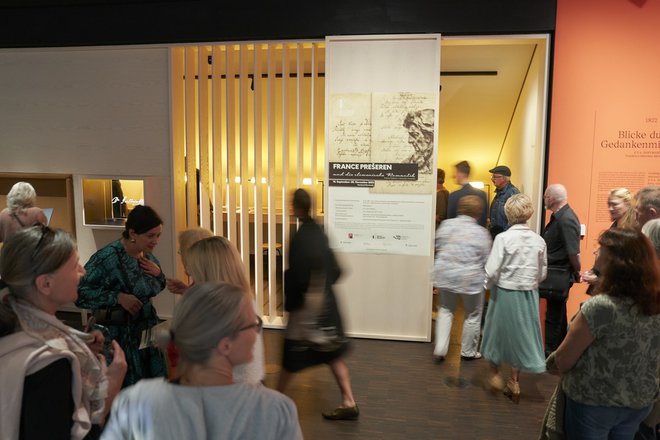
20	212
214	329
54	382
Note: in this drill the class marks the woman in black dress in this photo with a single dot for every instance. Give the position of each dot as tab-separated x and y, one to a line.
314	332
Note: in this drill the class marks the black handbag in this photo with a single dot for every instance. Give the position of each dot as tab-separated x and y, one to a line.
115	315
557	284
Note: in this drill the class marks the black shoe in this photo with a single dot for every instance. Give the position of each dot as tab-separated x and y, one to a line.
438	359
342	413
472	358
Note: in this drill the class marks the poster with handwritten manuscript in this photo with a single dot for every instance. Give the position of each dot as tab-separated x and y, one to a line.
350	128
403	132
392	132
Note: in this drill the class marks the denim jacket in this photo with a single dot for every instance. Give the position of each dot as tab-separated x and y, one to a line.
498	220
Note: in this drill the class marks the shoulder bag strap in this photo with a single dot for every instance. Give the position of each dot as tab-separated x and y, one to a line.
13	214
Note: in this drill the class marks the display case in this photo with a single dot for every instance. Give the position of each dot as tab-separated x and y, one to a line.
107	202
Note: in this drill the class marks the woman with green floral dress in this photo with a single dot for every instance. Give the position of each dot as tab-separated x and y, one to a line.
121	279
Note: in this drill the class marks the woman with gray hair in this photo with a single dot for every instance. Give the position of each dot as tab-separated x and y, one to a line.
214	328
215	259
652	230
462	248
515	267
20	212
54	382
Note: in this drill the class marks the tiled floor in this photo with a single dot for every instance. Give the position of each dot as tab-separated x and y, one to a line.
402	394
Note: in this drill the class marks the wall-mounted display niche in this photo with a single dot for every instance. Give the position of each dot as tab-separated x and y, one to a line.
107	202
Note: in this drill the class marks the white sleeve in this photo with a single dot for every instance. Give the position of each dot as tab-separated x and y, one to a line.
494	263
543	263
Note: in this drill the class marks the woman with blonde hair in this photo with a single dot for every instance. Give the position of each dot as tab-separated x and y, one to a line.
214	328
215	259
515	267
54	382
20	212
620	206
187	238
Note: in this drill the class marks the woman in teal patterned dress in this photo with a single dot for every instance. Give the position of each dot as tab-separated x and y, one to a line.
125	275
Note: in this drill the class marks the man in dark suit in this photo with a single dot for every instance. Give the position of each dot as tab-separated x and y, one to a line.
462	177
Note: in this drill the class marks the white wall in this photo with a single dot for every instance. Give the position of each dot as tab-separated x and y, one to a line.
524	148
94	112
389	295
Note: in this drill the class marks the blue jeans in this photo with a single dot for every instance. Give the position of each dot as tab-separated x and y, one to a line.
588	422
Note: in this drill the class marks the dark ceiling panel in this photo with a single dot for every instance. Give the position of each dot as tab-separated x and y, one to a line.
98	22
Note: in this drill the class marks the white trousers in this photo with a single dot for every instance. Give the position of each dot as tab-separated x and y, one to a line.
473	307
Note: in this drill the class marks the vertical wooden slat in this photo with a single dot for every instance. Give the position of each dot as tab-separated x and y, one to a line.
244	84
231	144
258	186
285	156
209	115
204	132
313	145
177	99
272	188
219	175
300	171
191	136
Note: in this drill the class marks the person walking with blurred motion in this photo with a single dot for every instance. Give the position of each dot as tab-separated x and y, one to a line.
516	265
54	383
21	211
216	259
214	328
441	198
314	333
610	358
121	279
461	251
462	178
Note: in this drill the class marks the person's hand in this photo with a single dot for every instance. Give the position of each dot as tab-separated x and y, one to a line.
129	302
176	286
115	373
97	344
149	266
588	277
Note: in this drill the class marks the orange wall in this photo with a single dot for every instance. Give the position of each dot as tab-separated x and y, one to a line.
606	62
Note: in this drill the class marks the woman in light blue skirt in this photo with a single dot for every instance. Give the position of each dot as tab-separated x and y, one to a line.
516	265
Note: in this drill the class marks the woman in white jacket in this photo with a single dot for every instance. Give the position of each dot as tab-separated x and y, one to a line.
515	267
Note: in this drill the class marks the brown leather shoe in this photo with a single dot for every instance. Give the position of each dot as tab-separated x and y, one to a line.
343	413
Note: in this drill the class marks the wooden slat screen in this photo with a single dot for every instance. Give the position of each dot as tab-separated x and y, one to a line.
247	129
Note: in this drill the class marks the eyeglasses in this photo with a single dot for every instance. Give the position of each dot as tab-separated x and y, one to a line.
496	177
45	230
257	325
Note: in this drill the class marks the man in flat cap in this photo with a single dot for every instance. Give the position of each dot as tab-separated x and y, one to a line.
501	178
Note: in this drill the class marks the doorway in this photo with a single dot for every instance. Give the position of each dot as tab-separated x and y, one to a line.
493	103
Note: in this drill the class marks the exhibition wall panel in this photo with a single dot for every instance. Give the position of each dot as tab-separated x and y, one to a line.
95	113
